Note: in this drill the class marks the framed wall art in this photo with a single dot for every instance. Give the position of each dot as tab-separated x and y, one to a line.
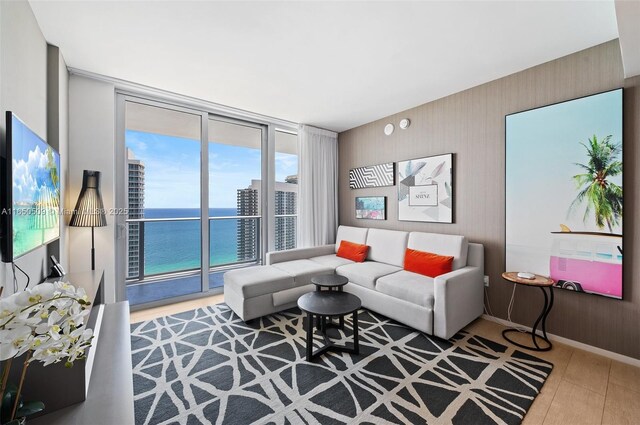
371	207
425	189
564	193
372	176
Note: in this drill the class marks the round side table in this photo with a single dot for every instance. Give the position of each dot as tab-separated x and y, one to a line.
545	284
332	282
329	281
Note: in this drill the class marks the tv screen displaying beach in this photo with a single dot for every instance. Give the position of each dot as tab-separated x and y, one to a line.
36	190
564	193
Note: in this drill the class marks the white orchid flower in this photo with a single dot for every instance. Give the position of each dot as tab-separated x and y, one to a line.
8	307
47	319
14	342
44	291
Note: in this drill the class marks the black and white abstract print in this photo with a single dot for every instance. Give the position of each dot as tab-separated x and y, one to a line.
207	366
372	176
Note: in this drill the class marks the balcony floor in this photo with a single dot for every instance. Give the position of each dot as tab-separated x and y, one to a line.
171	287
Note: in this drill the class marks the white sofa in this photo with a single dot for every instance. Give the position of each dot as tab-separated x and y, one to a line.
438	306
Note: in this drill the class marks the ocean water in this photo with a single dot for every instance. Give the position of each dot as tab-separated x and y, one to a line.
32	229
175	245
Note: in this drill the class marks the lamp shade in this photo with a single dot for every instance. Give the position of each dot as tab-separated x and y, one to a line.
89	210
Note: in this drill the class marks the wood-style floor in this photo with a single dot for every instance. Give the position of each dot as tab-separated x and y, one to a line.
583	388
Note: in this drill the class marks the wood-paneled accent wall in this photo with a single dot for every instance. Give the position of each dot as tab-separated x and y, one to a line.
471	125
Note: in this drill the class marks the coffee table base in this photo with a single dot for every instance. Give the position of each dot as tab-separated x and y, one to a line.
328	344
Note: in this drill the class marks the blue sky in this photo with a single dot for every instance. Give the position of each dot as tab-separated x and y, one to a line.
172	173
29	162
543	146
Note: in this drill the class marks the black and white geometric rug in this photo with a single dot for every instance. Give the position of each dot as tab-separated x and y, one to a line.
207	366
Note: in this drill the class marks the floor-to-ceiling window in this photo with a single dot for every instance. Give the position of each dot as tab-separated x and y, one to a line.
286	190
195	187
163	151
235	189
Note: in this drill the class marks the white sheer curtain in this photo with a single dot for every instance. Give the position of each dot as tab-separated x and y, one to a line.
318	185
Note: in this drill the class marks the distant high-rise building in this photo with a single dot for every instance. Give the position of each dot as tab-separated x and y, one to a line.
291	179
248	203
247	230
135	174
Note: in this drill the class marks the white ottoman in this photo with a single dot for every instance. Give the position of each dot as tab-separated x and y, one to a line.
248	291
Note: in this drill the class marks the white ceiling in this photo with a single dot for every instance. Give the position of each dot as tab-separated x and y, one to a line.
335	65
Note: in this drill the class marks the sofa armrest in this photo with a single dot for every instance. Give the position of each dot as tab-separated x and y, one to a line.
299	253
458	300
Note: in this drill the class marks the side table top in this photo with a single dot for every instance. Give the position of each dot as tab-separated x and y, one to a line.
537	281
329	303
329	280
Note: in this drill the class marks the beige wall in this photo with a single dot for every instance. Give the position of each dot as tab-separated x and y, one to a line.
470	124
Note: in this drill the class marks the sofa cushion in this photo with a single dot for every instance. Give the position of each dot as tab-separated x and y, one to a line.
427	263
255	281
408	286
387	246
331	260
351	234
455	245
302	270
365	274
353	251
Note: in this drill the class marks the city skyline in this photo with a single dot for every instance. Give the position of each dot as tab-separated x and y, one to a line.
248	203
136	185
172	181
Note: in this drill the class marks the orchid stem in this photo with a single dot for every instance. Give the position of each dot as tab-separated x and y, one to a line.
24	372
5	378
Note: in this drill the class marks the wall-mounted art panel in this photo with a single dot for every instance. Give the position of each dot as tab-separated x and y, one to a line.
425	189
371	207
564	193
372	176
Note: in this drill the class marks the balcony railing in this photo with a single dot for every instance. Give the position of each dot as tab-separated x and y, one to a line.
161	247
171	246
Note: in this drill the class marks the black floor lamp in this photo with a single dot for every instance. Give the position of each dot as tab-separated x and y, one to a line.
89	210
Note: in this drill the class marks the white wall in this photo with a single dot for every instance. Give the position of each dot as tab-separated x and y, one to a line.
23	90
35	84
58	137
92	147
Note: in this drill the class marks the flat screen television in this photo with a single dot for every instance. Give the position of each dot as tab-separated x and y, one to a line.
30	191
564	193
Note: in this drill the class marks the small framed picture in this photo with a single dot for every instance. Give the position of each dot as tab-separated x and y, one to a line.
371	207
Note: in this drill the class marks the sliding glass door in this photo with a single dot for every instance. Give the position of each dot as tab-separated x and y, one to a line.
202	193
235	191
162	184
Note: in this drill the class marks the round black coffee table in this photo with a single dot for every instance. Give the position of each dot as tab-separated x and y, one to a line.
329	281
327	304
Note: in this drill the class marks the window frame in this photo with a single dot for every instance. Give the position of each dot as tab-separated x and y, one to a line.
206	111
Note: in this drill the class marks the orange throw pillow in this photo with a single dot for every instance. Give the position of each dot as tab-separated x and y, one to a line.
353	251
427	263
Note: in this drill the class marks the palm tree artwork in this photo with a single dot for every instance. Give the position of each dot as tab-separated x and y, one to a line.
596	191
